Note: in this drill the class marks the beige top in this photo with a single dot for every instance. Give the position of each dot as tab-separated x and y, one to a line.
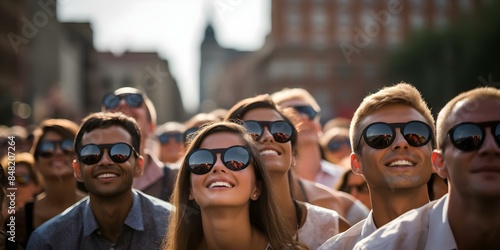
320	225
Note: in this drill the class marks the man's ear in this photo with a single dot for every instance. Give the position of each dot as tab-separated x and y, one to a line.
139	166
77	171
438	163
356	164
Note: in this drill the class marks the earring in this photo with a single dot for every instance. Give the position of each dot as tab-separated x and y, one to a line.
254	196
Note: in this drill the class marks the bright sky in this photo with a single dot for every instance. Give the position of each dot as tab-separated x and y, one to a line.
174	28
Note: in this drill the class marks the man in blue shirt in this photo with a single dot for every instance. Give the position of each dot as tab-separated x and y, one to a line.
113	216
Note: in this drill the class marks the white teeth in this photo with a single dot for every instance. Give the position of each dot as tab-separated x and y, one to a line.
106	175
220	184
268	152
401	163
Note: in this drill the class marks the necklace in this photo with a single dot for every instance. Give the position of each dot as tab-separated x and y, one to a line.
298	214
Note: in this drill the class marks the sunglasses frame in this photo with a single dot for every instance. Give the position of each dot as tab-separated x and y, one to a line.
214	152
307	110
177	137
482	127
346	142
26	179
269	126
47	154
101	148
128	97
393	126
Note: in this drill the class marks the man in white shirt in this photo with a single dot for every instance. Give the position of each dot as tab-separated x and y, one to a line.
468	155
392	138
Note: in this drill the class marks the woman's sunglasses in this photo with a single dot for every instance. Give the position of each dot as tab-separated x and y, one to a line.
335	145
469	136
47	149
282	131
119	152
111	101
307	110
170	136
201	161
380	135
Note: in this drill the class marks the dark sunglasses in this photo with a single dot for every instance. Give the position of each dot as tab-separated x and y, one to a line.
335	145
235	158
111	101
189	133
307	110
469	136
119	152
282	131
361	188
380	135
47	149
170	136
22	179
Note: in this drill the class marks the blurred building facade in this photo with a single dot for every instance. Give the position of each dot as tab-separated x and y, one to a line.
50	69
334	49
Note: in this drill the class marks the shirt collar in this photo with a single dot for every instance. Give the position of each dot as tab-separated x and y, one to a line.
369	226
133	220
440	235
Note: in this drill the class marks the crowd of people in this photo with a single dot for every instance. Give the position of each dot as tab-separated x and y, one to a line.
264	174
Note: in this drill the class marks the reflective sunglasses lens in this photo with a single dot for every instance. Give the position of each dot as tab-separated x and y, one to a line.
46	149
467	137
23	179
334	145
110	101
236	158
378	136
90	154
200	162
67	146
167	137
496	133
163	138
120	152
417	134
254	129
134	100
282	131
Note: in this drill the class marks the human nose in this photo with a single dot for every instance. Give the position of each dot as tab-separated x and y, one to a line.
218	165
105	159
266	134
399	140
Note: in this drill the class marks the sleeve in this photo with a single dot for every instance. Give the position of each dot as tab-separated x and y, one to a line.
357	212
37	242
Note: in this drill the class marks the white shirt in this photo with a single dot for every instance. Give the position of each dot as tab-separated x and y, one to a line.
351	236
320	225
330	174
426	228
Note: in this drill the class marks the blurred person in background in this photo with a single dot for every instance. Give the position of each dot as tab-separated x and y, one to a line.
196	122
304	112
53	152
335	145
356	186
337	122
136	104
170	136
27	181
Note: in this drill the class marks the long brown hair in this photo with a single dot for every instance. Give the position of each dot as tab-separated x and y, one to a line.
185	230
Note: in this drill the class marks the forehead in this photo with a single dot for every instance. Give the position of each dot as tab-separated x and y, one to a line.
263	114
221	140
475	111
51	136
393	113
109	135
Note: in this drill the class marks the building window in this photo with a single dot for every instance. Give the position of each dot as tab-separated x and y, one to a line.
319	19
277	69
320	70
296	69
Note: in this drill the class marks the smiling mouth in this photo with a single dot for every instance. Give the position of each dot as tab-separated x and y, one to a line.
106	175
268	152
219	184
401	163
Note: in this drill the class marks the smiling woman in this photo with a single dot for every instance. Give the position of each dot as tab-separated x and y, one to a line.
221	176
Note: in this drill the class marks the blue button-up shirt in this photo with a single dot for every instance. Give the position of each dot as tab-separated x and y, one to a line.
77	228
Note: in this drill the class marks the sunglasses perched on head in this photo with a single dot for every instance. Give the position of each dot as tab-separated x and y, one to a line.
111	101
380	135
235	158
119	152
335	145
469	136
170	136
307	110
48	148
282	131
